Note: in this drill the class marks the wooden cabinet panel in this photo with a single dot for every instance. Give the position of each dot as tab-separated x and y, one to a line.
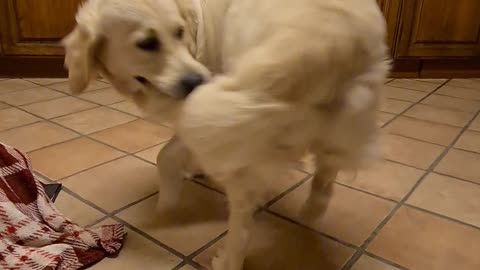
391	11
33	27
439	28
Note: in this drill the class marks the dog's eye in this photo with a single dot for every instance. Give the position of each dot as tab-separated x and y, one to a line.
179	33
149	44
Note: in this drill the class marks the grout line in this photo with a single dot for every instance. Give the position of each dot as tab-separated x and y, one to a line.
197	252
90	168
433	122
21	126
366	192
152	239
45	85
398	87
441	216
471	99
382	224
458	178
333	238
413	104
39	101
415	139
284	193
180	265
85	201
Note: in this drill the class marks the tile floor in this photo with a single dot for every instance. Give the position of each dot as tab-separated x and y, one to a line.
419	209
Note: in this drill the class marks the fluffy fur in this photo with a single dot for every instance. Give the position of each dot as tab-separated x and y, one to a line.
292	77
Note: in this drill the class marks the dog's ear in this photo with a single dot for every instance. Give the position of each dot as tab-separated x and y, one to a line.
80	49
187	11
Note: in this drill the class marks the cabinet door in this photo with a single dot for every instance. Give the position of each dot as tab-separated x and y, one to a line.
34	27
439	28
391	10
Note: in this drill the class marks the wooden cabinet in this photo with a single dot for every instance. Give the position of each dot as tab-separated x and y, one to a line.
427	38
34	27
438	28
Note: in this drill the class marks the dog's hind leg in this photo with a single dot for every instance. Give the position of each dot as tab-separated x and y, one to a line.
320	193
173	162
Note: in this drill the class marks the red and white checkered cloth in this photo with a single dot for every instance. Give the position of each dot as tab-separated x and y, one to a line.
34	234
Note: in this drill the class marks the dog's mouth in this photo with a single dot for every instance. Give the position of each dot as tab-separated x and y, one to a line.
182	91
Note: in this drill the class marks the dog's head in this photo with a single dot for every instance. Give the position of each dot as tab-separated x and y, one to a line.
144	48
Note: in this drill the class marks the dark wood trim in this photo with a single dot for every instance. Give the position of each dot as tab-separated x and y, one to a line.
451	68
32	66
406	68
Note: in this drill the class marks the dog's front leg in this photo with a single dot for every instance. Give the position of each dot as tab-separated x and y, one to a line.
173	162
320	193
243	201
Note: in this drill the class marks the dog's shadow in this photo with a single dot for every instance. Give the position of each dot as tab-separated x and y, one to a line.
277	244
200	215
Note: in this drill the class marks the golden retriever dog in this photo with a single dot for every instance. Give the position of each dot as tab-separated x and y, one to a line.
251	86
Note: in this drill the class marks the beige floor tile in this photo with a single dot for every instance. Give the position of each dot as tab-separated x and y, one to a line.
450	197
29	96
394	106
122	181
104	96
364	212
475	124
7	86
94	85
138	253
281	245
71	157
35	136
58	107
368	263
466	83
128	107
387	179
410	152
436	81
46	81
460	92
423	130
77	211
13	117
452	103
134	136
403	94
439	115
4	106
151	154
384	118
461	164
414	85
417	240
199	217
94	120
469	141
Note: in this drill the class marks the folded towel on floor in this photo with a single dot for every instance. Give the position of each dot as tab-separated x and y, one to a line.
34	234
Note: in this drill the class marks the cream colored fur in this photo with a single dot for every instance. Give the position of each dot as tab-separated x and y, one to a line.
291	77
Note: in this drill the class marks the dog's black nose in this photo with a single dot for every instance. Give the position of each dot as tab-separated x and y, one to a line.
190	82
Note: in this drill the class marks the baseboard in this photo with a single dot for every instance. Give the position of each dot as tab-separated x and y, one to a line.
32	67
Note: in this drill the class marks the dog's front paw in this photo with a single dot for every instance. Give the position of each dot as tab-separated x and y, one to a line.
219	261
165	204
